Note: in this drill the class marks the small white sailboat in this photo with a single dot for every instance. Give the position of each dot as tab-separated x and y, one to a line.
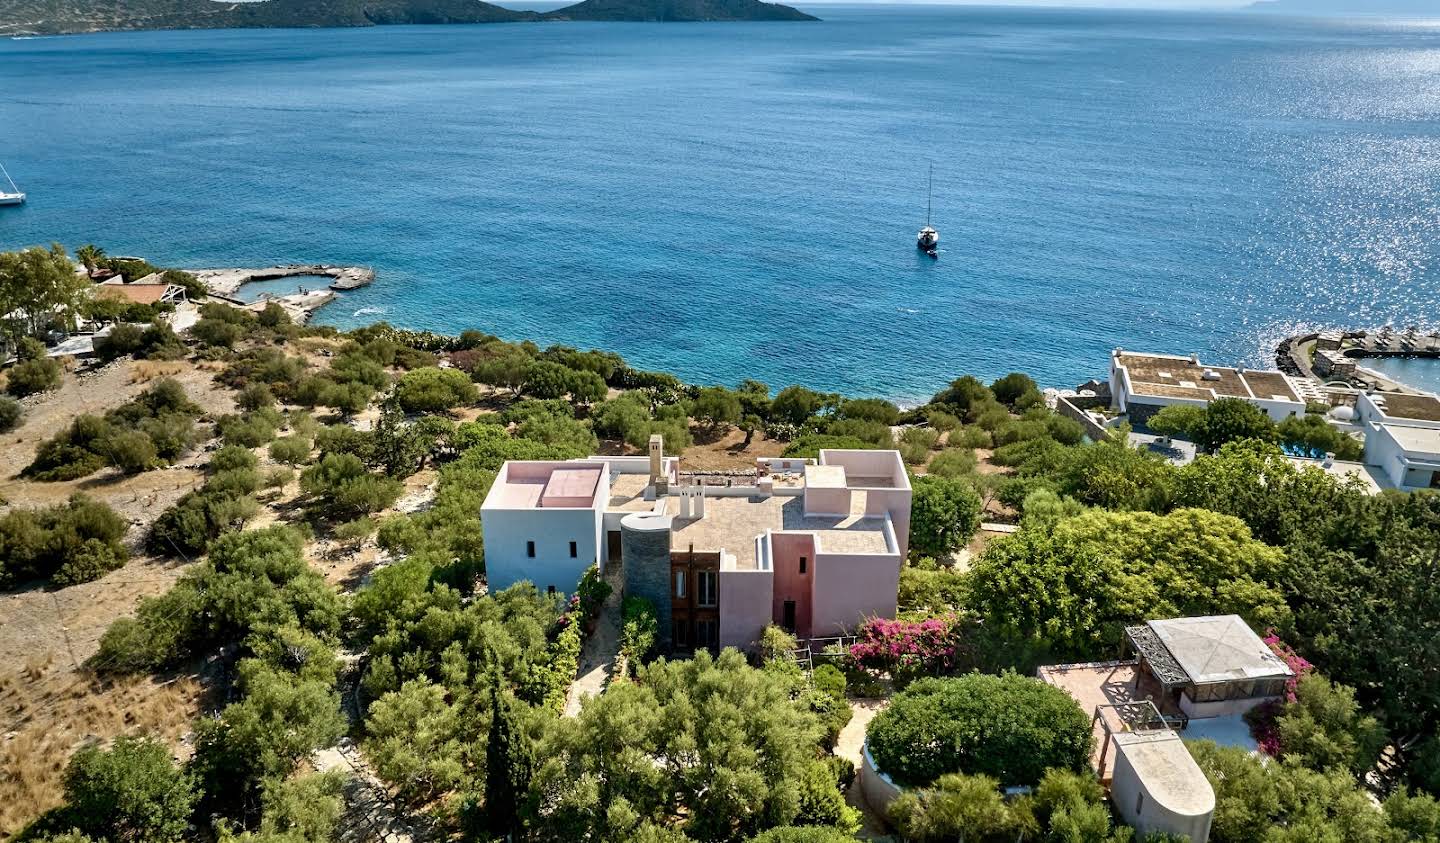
928	240
15	196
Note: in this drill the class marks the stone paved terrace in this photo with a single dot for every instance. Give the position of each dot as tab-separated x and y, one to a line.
1093	685
627	493
733	523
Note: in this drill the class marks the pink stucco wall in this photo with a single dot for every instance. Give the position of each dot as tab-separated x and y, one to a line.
847	588
745	603
790	584
897	503
820	501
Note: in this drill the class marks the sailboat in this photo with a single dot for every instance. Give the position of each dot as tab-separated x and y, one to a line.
928	241
14	197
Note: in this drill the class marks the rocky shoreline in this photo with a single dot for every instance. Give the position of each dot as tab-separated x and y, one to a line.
300	305
1335	355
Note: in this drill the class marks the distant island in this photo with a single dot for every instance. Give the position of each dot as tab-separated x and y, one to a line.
1348	7
60	17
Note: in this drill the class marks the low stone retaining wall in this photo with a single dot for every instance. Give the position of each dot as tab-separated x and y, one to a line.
1093	429
876	787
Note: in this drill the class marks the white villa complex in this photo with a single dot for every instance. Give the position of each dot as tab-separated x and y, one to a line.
813	545
1402	437
1142	384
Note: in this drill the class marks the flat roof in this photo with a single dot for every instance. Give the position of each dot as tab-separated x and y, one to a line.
732	523
627	493
1168	771
1415	440
1399	405
573	483
1171	376
1220	648
825	476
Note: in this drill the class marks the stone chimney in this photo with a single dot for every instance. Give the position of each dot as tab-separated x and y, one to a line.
658	478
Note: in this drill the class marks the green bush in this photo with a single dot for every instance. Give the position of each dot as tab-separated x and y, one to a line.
10	412
122	340
340	487
434	390
217	332
133	791
69	543
154	428
250	430
637	629
31	376
291	450
945	513
1011	727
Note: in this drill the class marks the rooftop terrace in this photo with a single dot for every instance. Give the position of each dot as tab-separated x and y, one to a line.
732	523
1167	376
1404	406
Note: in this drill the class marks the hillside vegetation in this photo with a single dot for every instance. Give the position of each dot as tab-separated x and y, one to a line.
56	17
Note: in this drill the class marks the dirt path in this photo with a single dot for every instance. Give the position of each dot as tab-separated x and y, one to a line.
597	657
850	745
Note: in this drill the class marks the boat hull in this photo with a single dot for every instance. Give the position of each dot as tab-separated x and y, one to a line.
12	198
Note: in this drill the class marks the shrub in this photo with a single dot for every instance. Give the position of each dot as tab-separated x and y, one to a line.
133	791
31	376
434	390
250	430
945	513
972	437
953	462
1011	727
255	396
559	432
340	486
291	450
810	445
217	332
10	412
123	339
130	451
72	542
637	629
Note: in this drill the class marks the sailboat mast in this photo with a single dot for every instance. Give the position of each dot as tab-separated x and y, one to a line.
929	195
7	178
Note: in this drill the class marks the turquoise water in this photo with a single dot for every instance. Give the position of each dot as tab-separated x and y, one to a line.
741	200
1423	373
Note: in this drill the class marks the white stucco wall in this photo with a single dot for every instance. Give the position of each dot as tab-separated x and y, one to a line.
552	530
1158	787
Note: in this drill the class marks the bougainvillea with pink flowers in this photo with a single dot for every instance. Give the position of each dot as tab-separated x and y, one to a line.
1263	718
906	649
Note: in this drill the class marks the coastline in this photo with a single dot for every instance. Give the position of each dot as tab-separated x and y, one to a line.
301	305
1336	355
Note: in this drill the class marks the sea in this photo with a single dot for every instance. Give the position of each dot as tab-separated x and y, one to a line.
731	201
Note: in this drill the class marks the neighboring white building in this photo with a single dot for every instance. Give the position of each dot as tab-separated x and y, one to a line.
812	545
1142	384
1402	437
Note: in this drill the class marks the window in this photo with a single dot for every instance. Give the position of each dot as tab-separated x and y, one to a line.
530	549
682	633
802	564
550	590
574	551
705	587
707	634
788	617
680	585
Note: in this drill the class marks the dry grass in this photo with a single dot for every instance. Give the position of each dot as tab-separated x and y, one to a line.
144	371
56	713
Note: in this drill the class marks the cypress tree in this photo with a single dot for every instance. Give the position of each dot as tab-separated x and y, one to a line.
509	763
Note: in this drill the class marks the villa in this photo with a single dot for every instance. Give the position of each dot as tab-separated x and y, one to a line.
1402	437
1142	384
812	545
1192	676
